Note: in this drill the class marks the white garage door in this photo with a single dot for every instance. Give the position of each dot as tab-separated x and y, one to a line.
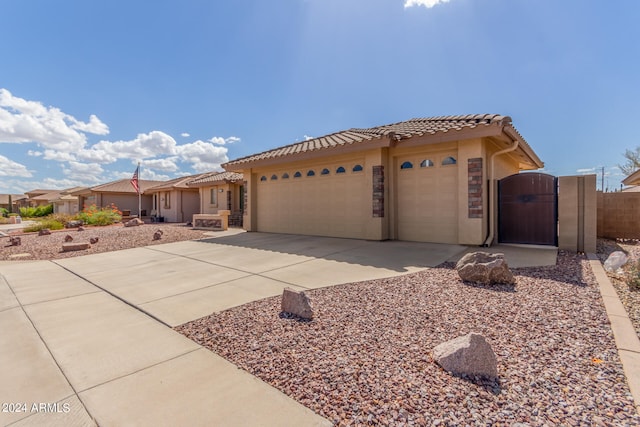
428	199
329	202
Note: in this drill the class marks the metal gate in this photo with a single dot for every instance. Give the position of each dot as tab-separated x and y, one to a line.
528	209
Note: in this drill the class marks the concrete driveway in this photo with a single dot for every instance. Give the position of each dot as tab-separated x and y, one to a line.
179	282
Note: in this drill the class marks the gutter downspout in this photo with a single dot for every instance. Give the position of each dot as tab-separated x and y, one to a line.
492	192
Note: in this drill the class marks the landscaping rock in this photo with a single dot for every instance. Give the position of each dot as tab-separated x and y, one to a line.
68	247
15	241
296	303
133	222
44	232
615	262
157	235
68	238
485	268
80	228
73	224
93	240
467	355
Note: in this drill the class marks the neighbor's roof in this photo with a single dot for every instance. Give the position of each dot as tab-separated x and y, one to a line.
124	186
37	192
495	125
633	179
216	177
633	189
4	198
177	183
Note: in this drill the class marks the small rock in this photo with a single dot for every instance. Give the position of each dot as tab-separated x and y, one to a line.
15	241
68	238
615	262
44	232
296	303
80	228
93	240
68	247
485	268
469	354
133	222
157	235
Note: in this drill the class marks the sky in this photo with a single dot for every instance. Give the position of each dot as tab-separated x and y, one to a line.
88	89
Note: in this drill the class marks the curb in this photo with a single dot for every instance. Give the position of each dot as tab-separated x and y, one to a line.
625	336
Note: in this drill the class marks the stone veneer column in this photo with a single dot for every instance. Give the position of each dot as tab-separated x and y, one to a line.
378	191
474	168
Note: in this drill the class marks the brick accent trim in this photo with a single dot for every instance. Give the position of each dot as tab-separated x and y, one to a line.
474	169
378	192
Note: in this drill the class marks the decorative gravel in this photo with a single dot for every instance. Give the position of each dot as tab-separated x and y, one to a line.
110	238
630	297
365	359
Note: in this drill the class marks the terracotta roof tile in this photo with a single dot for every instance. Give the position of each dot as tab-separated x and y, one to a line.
181	182
401	130
124	186
216	177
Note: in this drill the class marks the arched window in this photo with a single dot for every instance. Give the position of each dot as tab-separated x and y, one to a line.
285	176
357	168
450	160
311	173
325	171
297	174
406	165
426	163
263	178
340	170
274	177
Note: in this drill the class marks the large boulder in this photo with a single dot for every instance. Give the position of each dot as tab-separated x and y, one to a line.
296	303
485	268
615	262
73	224
469	355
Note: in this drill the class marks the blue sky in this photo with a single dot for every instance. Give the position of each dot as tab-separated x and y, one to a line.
88	89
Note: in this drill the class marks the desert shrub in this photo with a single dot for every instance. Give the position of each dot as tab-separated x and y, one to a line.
62	218
633	275
45	223
4	212
36	212
93	215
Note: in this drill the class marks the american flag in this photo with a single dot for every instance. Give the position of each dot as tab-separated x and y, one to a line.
134	179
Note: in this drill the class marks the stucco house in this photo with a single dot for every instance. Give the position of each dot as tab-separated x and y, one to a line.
632	180
425	179
121	193
35	197
174	200
221	191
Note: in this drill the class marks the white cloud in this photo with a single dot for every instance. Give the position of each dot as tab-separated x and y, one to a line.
35	153
203	156
232	139
83	172
185	135
218	140
144	146
29	121
585	171
307	137
426	3
168	164
59	156
10	168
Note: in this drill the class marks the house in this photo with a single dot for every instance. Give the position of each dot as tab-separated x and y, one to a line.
174	200
62	200
425	179
34	197
221	191
632	180
120	193
11	202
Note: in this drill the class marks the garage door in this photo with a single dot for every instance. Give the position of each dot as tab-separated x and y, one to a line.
316	201
427	209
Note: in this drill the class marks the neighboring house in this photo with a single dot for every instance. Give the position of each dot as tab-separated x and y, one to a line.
221	191
62	200
34	197
633	180
16	200
174	201
419	180
120	193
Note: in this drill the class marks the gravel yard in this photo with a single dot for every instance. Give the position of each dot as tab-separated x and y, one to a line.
110	238
365	359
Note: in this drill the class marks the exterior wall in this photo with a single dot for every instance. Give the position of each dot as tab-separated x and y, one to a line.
577	213
503	166
183	204
66	207
126	202
618	215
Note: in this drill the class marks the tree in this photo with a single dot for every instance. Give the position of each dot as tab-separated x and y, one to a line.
633	161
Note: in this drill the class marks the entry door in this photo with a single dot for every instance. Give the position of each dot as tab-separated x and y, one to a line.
528	209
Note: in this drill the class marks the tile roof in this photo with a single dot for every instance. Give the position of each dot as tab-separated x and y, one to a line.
632	179
398	131
177	182
4	198
124	186
216	177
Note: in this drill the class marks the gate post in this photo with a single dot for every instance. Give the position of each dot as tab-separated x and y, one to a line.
577	207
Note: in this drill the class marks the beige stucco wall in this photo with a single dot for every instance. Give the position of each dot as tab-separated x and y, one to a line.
577	213
125	201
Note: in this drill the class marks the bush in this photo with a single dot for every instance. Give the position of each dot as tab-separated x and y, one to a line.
36	212
62	218
3	212
93	215
45	223
633	275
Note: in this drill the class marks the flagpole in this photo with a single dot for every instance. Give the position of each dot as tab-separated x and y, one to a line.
139	199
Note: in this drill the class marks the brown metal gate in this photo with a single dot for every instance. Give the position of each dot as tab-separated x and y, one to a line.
528	209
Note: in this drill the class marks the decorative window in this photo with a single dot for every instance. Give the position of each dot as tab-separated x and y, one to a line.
214	196
450	160
167	200
285	176
357	168
340	170
311	173
406	165
426	163
325	171
263	178
297	174
274	177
